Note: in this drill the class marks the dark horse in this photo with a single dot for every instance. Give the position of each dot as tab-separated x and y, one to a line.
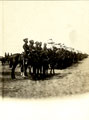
3	60
16	59
35	60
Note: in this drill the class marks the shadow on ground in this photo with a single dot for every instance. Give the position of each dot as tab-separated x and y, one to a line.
37	77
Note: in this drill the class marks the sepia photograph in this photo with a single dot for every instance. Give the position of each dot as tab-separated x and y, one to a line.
44	60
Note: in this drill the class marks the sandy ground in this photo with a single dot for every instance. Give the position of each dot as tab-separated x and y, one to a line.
70	81
67	86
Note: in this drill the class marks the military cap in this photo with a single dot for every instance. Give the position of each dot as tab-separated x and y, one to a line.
36	42
25	40
40	43
31	41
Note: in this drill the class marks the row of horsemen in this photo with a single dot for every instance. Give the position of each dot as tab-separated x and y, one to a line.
40	59
37	57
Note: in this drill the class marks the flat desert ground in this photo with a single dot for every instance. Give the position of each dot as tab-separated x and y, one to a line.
66	93
70	81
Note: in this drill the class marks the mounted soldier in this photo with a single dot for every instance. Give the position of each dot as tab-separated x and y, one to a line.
26	50
37	54
31	54
31	46
36	45
25	56
40	46
26	47
45	59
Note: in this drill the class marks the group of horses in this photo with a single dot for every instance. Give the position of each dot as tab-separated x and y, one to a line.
40	61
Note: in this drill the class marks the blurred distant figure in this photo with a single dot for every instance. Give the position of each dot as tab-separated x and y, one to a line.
45	47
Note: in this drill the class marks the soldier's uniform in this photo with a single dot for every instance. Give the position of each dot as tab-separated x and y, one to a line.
24	57
26	47
31	46
36	45
38	48
26	51
40	45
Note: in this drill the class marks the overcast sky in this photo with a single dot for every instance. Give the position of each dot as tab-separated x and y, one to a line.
64	22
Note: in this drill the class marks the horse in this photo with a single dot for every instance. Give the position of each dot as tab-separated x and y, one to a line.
3	60
16	59
35	59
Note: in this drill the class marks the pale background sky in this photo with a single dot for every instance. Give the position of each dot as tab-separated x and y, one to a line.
64	22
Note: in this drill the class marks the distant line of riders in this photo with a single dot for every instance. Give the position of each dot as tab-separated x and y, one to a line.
40	59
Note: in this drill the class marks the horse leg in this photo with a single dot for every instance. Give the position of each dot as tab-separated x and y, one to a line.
38	69
50	70
44	70
34	70
22	71
29	69
53	71
41	70
13	72
25	71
